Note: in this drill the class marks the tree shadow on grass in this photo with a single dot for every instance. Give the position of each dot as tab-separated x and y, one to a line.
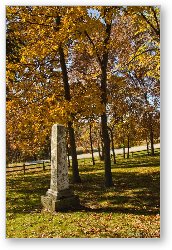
24	193
133	193
144	161
136	164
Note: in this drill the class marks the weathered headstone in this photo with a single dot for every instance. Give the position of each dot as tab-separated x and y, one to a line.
59	197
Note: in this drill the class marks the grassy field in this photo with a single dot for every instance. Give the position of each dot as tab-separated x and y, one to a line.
129	209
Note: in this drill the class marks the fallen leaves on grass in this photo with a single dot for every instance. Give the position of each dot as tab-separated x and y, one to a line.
130	209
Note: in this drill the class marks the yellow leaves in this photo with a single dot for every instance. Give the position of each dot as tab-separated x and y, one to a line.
23	59
36	82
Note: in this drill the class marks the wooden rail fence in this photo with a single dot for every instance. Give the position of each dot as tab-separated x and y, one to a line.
28	167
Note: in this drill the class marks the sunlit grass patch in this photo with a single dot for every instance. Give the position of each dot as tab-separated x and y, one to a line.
129	209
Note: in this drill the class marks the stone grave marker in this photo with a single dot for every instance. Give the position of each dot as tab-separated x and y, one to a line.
59	197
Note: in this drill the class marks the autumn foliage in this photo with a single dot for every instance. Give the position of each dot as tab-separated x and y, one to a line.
81	67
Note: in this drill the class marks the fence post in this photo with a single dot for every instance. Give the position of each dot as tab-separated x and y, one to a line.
24	169
43	166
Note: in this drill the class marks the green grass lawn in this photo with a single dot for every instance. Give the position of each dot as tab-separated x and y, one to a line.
129	209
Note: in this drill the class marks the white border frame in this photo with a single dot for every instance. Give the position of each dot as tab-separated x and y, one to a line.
165	242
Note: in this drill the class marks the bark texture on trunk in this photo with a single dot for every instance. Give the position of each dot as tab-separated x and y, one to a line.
107	160
105	134
113	147
75	170
100	156
151	134
152	141
91	144
128	147
103	62
68	154
147	145
124	148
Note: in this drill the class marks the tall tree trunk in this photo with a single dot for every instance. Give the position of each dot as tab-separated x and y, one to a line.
152	141
151	134
91	144
103	61
100	156
124	148
106	142
75	171
113	148
76	177
150	126
102	148
105	134
68	154
147	145
103	151
128	147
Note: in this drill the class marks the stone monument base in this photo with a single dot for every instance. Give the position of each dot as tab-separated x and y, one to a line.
60	201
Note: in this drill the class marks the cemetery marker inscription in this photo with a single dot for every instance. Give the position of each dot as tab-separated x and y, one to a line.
59	197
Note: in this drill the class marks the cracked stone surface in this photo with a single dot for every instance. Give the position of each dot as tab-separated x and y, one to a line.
59	168
59	196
